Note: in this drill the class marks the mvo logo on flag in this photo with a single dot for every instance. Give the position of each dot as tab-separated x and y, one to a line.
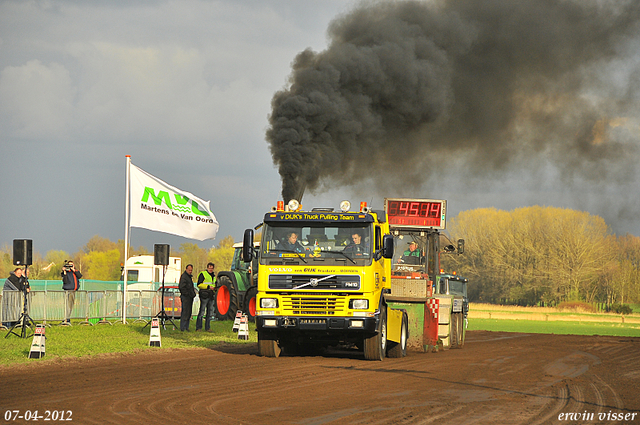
179	206
156	205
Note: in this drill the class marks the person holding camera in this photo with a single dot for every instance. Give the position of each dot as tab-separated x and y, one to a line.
70	283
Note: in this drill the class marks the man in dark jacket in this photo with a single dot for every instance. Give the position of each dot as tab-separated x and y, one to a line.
70	283
187	294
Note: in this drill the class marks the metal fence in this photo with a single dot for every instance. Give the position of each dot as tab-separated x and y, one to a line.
89	306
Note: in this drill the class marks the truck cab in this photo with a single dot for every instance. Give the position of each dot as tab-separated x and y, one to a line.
323	276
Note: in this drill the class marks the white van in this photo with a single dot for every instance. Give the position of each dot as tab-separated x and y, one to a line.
140	269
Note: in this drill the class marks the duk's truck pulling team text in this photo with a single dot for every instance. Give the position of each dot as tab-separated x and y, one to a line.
330	277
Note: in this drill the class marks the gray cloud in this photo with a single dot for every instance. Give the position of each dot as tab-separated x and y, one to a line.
181	86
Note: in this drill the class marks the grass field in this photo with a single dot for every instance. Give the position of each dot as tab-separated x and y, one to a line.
86	341
547	314
81	340
557	327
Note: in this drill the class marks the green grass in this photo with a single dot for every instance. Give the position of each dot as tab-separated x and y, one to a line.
86	341
560	328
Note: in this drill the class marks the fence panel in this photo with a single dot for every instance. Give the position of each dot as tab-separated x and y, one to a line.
11	305
92	306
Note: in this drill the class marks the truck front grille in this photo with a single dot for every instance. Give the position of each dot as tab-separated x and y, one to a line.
302	306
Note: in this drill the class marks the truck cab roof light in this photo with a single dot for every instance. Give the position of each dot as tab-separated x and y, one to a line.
345	206
293	205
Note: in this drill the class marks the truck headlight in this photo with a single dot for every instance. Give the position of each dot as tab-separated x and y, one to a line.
268	303
359	304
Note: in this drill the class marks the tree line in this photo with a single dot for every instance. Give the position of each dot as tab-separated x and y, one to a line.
544	256
102	259
528	256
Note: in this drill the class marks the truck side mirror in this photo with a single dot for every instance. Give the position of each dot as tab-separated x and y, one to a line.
247	246
387	246
460	246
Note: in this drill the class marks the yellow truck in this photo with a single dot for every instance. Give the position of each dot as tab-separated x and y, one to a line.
323	279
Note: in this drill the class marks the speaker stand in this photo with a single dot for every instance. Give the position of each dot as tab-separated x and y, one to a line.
162	315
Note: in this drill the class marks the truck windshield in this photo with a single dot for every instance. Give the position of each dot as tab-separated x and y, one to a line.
457	288
330	243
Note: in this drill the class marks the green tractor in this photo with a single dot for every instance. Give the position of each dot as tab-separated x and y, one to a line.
237	288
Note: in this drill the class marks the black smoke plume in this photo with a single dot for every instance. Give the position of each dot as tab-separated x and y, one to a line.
403	86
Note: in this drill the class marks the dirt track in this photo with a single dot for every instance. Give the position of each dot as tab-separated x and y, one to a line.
497	378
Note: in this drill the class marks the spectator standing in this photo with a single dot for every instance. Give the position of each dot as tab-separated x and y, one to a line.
187	294
70	283
206	292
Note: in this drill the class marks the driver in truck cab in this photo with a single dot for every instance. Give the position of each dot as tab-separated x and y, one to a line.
412	255
356	246
291	243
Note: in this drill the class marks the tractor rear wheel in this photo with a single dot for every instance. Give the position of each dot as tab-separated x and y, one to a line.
226	299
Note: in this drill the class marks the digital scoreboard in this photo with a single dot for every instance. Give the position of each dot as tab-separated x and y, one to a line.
416	213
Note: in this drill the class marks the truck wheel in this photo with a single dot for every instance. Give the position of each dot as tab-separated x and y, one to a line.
375	347
456	331
460	330
226	300
399	349
268	345
250	303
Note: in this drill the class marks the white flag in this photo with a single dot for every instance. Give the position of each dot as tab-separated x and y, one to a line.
156	205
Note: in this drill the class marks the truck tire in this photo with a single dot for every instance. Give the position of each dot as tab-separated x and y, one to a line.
268	345
460	330
399	349
375	347
456	331
250	303
226	299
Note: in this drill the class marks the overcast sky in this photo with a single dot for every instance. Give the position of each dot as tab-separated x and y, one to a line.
185	88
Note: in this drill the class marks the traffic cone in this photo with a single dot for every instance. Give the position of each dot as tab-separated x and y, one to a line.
154	335
37	346
243	330
236	323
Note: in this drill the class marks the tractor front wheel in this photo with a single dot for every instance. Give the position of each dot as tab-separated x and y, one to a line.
250	303
226	299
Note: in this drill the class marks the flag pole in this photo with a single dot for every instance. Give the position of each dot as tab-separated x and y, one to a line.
127	230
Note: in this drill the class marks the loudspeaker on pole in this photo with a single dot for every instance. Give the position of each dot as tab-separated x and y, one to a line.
243	331
37	345
161	254
154	335
22	252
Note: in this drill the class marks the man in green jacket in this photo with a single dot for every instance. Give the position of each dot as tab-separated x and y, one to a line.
412	255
